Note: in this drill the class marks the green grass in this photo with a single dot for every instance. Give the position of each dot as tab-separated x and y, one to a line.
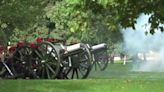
116	78
120	71
90	85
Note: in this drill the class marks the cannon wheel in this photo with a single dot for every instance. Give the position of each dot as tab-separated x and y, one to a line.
100	60
48	61
21	62
80	65
15	65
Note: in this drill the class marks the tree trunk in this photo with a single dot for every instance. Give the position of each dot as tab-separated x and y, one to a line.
4	38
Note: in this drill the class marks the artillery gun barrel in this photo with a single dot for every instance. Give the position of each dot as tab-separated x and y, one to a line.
67	50
99	47
74	47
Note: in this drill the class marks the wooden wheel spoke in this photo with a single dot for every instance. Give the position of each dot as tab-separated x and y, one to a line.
53	55
83	60
51	51
20	53
83	53
68	71
100	65
77	74
40	55
18	59
49	56
42	72
84	66
53	63
81	72
27	51
48	73
43	50
50	68
73	72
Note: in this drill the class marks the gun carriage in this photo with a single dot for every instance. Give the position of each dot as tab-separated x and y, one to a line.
51	59
46	59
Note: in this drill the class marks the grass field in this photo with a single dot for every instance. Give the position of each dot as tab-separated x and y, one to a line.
116	78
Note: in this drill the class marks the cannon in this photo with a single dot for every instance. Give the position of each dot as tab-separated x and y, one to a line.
48	60
99	56
76	61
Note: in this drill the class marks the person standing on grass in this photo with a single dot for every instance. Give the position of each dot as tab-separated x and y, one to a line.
123	57
112	58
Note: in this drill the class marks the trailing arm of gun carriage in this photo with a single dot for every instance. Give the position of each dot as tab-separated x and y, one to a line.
3	62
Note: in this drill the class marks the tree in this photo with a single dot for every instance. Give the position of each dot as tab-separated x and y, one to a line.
81	25
84	20
20	15
127	11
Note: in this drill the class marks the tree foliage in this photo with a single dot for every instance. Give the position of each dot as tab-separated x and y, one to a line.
80	24
127	11
92	21
21	14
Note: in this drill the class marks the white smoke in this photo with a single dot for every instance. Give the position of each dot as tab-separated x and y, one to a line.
137	43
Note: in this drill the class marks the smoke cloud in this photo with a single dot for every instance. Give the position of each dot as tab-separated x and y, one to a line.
148	48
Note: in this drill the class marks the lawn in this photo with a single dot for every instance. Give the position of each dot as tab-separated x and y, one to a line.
116	78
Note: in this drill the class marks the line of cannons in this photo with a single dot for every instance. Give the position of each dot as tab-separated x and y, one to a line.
47	59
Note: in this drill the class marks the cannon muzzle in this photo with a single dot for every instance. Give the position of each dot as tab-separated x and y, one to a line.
99	46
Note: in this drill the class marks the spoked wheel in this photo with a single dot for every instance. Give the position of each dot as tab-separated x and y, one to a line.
78	65
15	66
21	62
48	63
100	60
